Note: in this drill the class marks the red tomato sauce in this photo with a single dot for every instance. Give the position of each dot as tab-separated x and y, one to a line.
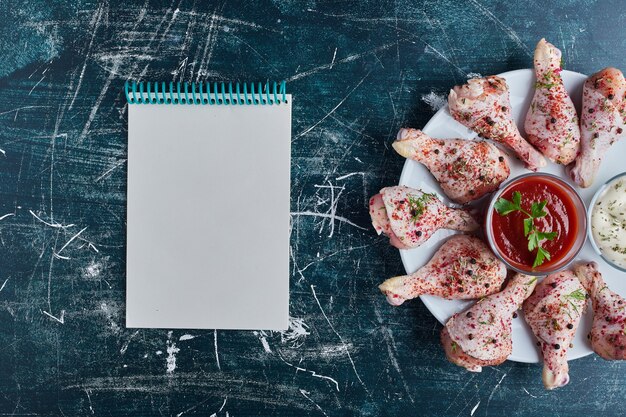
508	231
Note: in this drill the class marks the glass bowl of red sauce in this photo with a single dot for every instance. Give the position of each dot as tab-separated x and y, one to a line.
536	213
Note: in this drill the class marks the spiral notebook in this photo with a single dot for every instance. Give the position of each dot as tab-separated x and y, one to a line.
208	206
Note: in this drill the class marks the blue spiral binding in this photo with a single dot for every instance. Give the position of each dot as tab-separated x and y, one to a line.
204	93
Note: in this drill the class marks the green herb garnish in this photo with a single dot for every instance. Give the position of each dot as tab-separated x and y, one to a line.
576	295
535	237
418	204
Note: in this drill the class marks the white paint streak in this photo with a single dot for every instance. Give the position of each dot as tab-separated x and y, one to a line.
7	215
506	29
3	284
341	61
95	22
343	177
108	171
263	339
327	216
333	60
58	253
434	100
127	343
534	396
474	409
313	373
186	337
217	356
59	319
340	338
306	395
296	333
334	108
172	350
53	224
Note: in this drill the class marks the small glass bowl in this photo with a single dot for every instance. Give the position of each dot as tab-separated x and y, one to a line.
592	204
580	238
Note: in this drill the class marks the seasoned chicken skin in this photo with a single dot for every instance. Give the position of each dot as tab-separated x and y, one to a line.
465	169
608	332
483	105
409	216
551	122
481	335
553	313
602	122
462	268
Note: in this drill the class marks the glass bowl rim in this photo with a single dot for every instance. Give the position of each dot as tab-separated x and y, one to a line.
582	219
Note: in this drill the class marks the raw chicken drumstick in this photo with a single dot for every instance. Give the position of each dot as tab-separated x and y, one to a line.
465	169
409	216
481	335
483	106
553	313
462	268
602	122
608	332
551	122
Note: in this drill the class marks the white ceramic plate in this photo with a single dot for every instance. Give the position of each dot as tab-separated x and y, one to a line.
442	125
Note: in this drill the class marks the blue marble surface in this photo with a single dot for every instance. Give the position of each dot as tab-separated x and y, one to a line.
358	70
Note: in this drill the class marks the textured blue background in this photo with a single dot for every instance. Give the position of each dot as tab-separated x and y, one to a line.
358	71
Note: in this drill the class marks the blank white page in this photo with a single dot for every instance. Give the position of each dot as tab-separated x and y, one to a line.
208	216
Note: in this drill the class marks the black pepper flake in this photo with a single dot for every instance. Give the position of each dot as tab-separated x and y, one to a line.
461	289
621	347
469	315
470	272
472	261
436	151
587	296
481	178
489	121
607	318
538	343
596	135
619	130
501	158
453	151
556	346
470	336
544	309
494	341
515	315
553	285
591	110
504	108
486	285
610	96
619	302
418	233
588	335
570	326
472	192
553	120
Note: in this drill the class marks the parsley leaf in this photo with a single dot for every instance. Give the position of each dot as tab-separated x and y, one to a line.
528	225
542	254
537	209
504	206
535	237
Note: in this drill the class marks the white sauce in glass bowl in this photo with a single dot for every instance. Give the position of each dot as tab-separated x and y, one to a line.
608	222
